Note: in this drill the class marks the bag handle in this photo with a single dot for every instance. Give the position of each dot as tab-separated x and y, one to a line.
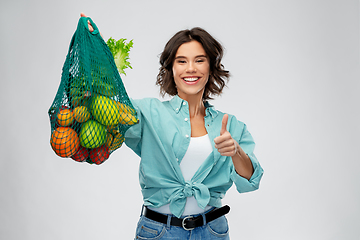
85	21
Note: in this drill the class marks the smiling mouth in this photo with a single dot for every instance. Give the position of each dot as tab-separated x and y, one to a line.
191	79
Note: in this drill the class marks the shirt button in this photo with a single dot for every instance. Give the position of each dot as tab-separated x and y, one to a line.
184	103
186	119
177	109
186	136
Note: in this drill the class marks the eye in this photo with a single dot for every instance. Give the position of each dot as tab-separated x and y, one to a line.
181	61
200	60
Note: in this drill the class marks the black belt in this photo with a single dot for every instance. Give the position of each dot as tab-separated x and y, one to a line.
189	222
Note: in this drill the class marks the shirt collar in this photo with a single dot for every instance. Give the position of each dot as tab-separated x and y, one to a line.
210	110
177	103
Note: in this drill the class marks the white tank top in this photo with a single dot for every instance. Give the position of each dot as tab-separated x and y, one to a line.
199	149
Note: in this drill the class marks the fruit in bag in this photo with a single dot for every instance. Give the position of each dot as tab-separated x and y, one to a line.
65	117
81	114
81	155
99	155
64	141
92	134
91	98
105	111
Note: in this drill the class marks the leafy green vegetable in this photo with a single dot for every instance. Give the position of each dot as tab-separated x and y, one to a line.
120	50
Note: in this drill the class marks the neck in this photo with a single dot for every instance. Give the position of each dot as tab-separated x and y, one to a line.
196	105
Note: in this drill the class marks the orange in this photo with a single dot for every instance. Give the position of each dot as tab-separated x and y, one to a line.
81	114
64	141
65	117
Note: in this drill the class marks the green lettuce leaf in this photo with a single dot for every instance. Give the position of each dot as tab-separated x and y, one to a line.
120	51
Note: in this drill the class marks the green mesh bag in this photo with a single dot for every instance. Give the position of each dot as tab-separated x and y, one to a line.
91	110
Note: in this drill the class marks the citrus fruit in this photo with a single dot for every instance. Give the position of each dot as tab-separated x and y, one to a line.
65	117
64	141
92	134
105	111
81	114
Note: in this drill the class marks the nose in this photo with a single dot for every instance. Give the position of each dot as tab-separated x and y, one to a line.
191	68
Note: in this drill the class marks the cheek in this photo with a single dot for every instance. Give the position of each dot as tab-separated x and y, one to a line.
176	70
173	72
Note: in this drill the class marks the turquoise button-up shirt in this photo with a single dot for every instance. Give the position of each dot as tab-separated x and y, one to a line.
162	138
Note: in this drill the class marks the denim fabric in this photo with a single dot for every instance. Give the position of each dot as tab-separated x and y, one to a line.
217	229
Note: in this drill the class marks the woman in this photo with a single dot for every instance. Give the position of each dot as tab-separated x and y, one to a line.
190	152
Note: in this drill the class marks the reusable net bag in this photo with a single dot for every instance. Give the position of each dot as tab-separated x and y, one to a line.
91	110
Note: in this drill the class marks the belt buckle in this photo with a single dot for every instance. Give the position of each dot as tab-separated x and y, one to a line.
183	223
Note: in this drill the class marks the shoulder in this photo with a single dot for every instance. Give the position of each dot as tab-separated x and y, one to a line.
218	115
234	125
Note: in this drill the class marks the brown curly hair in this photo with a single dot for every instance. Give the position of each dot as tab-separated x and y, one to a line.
214	51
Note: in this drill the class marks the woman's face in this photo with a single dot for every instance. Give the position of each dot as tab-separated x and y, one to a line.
191	69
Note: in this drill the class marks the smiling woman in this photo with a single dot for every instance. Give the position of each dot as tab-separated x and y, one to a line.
191	70
191	153
208	48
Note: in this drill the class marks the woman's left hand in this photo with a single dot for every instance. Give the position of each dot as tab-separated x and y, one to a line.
225	144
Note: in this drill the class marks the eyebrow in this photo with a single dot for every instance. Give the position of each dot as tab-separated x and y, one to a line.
195	56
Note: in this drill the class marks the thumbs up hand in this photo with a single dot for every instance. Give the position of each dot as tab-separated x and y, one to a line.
225	144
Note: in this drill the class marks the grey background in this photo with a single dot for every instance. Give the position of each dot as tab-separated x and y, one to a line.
295	83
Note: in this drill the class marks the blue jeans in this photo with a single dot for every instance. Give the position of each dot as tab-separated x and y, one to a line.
152	230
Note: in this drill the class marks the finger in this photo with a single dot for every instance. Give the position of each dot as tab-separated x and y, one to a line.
223	124
91	29
222	138
227	149
82	14
228	154
224	143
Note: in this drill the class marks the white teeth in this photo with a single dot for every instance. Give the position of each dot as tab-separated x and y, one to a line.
190	79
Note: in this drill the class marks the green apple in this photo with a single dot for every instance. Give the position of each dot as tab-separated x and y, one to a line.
92	134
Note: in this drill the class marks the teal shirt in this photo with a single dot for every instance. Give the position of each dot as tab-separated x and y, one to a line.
161	139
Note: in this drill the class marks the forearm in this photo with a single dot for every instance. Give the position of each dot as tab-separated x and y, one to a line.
242	163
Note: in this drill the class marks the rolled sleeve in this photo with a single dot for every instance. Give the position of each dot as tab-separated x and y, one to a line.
242	184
